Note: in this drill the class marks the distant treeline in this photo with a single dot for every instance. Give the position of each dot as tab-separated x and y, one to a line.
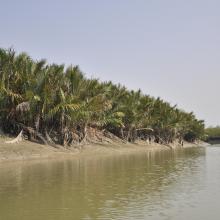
212	132
51	102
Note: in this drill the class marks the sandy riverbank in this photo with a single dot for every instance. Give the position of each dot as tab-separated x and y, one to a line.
26	150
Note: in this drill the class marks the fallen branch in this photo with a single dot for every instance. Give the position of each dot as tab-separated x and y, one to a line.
18	139
49	140
146	129
32	132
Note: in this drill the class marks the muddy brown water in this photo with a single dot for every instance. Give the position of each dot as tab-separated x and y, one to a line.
180	184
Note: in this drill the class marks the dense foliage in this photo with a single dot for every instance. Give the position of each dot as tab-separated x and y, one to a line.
59	104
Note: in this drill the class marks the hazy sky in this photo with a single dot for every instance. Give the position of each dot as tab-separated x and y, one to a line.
168	48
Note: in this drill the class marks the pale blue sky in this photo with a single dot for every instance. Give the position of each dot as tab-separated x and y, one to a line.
168	48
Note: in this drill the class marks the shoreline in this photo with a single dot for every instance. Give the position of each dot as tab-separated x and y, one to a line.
27	150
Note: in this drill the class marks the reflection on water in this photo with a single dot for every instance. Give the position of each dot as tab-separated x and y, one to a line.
162	185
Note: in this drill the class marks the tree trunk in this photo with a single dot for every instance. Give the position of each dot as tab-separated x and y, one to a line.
37	122
122	133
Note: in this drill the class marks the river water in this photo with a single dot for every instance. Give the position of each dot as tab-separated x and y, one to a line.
183	184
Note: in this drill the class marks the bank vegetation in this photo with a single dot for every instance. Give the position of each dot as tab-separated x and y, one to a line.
55	104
